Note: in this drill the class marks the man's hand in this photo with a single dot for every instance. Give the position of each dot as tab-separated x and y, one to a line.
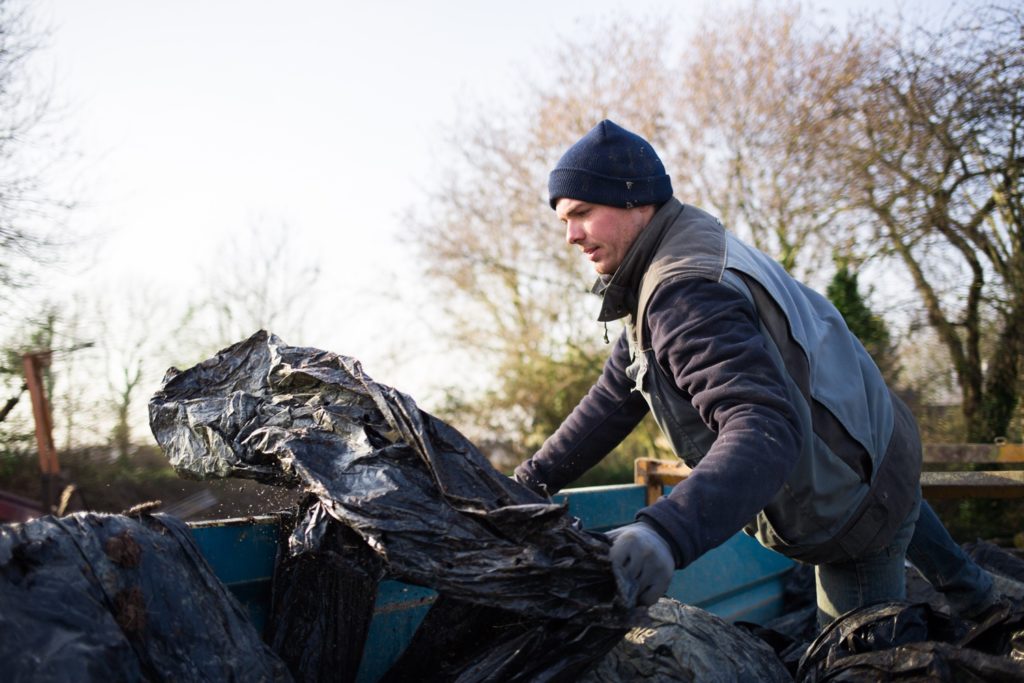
642	562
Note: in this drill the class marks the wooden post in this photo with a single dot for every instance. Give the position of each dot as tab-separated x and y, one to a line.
654	474
49	468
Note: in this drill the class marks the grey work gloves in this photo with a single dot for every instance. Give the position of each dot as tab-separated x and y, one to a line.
642	562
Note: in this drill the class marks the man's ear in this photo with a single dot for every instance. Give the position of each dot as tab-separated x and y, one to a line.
647	211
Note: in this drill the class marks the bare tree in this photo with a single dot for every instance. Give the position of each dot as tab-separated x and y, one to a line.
261	279
27	211
751	106
34	335
129	337
930	139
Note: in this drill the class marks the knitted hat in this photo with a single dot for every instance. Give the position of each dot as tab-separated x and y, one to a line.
611	166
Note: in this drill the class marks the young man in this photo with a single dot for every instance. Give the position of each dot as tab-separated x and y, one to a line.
759	386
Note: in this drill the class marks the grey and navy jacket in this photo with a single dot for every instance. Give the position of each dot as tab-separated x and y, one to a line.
759	386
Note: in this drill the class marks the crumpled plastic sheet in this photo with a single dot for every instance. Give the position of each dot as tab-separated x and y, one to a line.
685	643
94	597
414	488
995	559
418	492
789	634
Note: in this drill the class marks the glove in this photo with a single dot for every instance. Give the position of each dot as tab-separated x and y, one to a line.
642	561
538	487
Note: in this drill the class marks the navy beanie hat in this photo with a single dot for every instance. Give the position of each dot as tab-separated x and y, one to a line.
611	166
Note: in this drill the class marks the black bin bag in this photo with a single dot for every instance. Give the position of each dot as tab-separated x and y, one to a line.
913	642
419	494
105	598
336	571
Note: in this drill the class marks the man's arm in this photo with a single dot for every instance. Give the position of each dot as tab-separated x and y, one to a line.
605	416
706	336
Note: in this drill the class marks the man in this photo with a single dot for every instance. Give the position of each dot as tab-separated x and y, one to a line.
759	386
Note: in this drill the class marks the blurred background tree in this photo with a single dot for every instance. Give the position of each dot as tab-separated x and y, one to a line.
29	216
928	138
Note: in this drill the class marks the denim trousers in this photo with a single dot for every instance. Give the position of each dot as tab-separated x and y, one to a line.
878	577
966	586
922	540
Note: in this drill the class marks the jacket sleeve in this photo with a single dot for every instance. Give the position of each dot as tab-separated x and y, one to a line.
706	337
601	420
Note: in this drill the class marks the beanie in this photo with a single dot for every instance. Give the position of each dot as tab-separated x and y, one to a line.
611	166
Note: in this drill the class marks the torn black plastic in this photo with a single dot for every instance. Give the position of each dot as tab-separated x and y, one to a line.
911	641
417	491
93	597
322	603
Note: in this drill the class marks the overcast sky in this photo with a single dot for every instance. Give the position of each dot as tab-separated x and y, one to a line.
195	119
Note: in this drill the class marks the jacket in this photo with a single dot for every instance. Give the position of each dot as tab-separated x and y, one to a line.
758	385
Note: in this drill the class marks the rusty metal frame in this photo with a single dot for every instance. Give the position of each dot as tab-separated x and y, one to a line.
49	467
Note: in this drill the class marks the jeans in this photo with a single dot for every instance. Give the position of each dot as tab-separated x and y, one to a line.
879	577
965	585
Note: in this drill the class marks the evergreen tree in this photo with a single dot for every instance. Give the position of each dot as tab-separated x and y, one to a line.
844	293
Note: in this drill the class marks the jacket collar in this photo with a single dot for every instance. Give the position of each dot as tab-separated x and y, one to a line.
620	289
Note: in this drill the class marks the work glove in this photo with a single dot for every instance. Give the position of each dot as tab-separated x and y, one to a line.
538	487
642	561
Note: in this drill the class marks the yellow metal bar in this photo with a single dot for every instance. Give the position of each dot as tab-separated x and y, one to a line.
982	453
1010	452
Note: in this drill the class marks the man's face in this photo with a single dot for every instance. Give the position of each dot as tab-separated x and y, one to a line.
603	233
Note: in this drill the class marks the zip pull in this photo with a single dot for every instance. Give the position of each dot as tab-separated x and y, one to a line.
606	333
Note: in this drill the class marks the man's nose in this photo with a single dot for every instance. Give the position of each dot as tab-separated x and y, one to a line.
573	232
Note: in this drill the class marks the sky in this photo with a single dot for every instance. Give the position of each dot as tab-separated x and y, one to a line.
194	120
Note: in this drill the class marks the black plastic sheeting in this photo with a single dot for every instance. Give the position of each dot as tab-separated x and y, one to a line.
686	643
93	597
913	640
996	560
460	641
900	641
322	602
419	494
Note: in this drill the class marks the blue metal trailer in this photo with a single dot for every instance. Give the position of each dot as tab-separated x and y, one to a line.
739	580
